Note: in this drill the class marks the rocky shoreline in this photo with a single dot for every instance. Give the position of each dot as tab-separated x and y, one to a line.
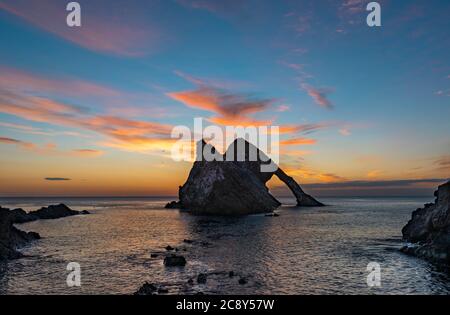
177	258
428	232
11	238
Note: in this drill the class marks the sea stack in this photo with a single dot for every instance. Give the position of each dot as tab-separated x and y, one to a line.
234	185
428	232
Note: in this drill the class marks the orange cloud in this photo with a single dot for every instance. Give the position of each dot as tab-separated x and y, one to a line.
87	152
298	141
374	174
232	109
48	111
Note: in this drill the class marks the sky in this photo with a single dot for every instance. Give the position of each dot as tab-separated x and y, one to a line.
89	111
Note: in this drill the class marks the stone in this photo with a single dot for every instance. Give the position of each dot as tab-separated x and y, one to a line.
428	231
175	261
235	187
202	278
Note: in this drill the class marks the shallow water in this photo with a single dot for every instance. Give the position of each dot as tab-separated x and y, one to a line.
304	251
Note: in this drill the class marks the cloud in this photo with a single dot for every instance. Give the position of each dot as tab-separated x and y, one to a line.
87	152
119	129
443	163
306	128
283	108
345	132
319	95
104	29
23	144
298	141
50	148
57	179
231	109
22	81
374	174
378	184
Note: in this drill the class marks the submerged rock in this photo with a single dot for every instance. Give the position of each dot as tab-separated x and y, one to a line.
235	187
175	261
202	278
242	281
428	232
147	289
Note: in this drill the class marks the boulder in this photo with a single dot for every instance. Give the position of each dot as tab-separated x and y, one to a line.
234	184
147	289
242	281
428	232
202	278
175	261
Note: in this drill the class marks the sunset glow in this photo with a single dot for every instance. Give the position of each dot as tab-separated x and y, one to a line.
90	111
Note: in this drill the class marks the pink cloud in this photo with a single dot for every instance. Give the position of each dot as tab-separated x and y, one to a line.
319	95
115	33
14	79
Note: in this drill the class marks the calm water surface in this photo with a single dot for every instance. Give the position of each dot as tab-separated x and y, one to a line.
304	251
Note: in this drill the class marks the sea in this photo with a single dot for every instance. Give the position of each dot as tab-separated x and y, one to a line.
122	244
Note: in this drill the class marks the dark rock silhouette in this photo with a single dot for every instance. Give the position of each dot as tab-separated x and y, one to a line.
147	289
174	261
202	278
429	229
242	281
234	184
45	213
54	212
173	205
10	237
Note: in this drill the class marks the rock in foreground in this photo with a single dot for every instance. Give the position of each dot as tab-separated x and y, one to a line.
175	261
235	187
10	237
429	229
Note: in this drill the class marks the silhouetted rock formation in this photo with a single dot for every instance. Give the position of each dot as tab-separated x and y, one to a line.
45	213
10	237
429	229
234	186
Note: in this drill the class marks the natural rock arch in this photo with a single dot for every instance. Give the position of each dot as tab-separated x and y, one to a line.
235	187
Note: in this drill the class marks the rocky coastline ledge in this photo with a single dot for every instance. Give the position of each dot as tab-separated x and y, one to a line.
11	238
234	186
428	232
